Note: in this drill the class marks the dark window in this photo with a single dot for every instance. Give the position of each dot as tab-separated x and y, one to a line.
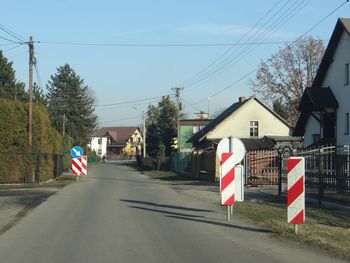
346	74
316	137
347	123
254	129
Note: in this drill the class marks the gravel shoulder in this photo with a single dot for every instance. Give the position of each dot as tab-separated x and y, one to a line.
16	201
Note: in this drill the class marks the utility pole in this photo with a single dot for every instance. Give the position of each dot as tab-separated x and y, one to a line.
31	62
63	124
144	134
177	94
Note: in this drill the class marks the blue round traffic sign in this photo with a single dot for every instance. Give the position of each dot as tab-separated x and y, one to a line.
76	152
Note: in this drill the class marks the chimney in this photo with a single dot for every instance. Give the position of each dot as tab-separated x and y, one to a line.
241	99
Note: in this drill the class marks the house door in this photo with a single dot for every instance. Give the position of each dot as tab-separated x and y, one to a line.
329	126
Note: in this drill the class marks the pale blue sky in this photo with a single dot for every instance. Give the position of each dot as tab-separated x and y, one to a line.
121	74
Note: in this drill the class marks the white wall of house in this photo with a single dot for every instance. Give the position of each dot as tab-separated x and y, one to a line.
335	79
312	127
99	145
238	124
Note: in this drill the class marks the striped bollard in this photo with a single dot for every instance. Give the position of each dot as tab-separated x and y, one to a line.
83	161
227	181
296	191
76	167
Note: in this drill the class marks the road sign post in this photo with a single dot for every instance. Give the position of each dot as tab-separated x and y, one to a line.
235	146
296	191
76	152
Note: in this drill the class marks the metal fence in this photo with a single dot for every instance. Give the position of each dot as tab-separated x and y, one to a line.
181	162
327	172
29	167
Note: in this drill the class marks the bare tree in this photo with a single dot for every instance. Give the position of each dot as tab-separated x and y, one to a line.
283	77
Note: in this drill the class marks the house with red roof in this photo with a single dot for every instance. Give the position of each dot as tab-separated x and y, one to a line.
117	141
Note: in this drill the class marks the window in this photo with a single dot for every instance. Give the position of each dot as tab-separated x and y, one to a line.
254	129
346	81
99	152
316	137
346	123
100	141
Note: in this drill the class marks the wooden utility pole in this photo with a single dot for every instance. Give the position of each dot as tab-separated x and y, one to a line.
177	94
31	62
144	134
63	124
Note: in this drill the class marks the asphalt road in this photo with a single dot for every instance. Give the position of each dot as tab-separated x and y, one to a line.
120	215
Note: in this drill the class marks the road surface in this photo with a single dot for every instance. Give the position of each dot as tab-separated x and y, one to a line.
119	215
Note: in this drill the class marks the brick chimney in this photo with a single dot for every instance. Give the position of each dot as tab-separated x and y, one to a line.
241	99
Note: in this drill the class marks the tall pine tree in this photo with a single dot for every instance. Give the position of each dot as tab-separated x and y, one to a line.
71	105
10	88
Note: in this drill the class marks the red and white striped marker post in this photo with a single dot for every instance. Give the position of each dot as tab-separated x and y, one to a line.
296	191
76	167
227	181
83	169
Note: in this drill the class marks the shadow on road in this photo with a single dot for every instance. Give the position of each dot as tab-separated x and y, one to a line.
165	206
163	212
123	180
251	229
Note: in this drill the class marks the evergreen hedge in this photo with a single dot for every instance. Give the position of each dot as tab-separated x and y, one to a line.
17	164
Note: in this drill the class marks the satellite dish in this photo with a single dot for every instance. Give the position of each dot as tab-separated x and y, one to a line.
231	145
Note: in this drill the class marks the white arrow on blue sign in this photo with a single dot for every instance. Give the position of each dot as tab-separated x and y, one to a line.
76	152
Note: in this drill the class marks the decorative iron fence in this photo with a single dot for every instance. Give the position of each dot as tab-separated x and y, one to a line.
327	172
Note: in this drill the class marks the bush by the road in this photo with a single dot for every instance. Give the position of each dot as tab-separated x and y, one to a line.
17	164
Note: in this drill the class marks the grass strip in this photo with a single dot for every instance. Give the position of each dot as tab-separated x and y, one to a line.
325	228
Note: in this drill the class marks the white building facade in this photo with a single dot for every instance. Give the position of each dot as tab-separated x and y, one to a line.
99	145
325	107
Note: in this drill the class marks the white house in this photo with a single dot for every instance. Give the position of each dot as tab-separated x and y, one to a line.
99	145
246	119
325	106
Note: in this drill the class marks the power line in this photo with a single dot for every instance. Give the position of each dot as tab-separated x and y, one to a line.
123	119
37	73
165	45
127	106
7	44
11	33
252	71
228	50
190	104
130	102
13	47
9	40
238	54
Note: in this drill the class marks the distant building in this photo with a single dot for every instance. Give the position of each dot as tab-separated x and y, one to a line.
116	141
248	119
99	145
188	127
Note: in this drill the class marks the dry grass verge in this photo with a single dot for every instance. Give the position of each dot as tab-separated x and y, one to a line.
325	228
